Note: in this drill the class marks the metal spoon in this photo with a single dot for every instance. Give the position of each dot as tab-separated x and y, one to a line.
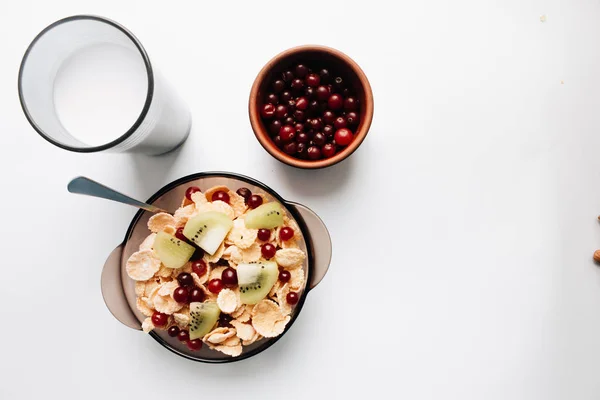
88	187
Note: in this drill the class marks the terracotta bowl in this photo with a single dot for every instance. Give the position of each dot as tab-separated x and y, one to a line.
332	59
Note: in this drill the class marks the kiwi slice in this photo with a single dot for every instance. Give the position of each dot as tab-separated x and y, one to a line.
267	216
256	280
173	252
208	230
203	316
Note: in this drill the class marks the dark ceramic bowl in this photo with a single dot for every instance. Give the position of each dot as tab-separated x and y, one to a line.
118	289
326	57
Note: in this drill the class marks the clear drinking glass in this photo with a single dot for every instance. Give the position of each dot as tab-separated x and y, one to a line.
86	84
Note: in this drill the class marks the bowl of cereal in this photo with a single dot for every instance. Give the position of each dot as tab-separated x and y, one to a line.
225	275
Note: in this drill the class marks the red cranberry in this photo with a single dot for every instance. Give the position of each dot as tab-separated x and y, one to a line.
310	92
229	277
297	84
291	105
345	92
264	234
284	276
255	201
289	121
290	148
220	195
272	98
313	80
314	153
319	139
185	279
352	118
299	115
287	133
302	103
173	331
324	75
278	142
274	127
328	150
281	111
183	336
313	106
268	111
316	124
278	86
195	344
215	285
340	122
190	191
244	192
298	127
335	102
338	83
199	267
285	97
268	250
159	319
286	233
179	234
328	117
322	93
196	295
288	76
350	104
181	295
343	136
302	138
301	70
292	298
301	150
328	130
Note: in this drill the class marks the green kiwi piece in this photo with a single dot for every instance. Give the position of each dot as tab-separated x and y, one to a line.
208	230
203	316
255	280
173	252
267	216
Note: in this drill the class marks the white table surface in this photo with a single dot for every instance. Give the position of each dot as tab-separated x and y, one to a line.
463	227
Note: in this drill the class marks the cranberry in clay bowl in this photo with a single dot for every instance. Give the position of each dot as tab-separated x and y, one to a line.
311	106
223	274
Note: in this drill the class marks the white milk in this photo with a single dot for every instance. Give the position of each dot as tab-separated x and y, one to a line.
100	91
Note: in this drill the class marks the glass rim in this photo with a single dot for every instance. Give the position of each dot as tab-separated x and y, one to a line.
149	94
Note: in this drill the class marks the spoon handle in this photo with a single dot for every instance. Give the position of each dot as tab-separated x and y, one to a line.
88	187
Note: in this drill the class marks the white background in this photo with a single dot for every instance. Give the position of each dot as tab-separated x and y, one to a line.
463	227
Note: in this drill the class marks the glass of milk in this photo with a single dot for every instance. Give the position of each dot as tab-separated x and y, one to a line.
87	85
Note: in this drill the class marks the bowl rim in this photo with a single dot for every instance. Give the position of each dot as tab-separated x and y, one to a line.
297	217
263	137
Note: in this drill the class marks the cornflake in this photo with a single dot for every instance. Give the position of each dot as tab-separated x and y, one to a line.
251	254
241	236
296	278
219	335
243	331
142	307
216	273
290	258
147	325
233	255
198	198
267	319
148	242
158	222
183	214
181	320
238	204
142	265
284	306
215	257
227	301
